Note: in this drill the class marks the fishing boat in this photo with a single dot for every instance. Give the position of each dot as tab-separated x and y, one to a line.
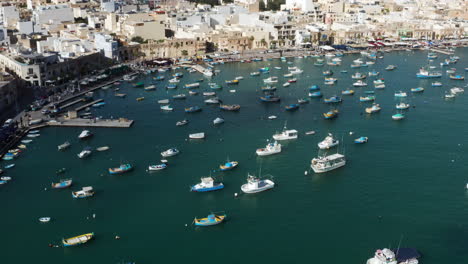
84	192
296	71
291	107
9	166
333	99
192	85
78	240
265	69
229	165
327	163
272	79
178	75
65	183
233	107
121	169
179	96
293	80
239	78
379	82
303	101
33	135
400	94
182	122
286	84
209	93
192	109
256	185
417	90
286	134
197	135
85	153
449	96
254	73
85	134
374	73
331	114
215	86
288	75
64	145
121	95
218	121
150	88
373	109
103	148
157	167
424	74
358	76
210	220
270	98
310	132
207	184
457	77
44	219
231	82
390	67
166	108
315	94
431	55
138	84
314	88
327	73
402	106
270	149
398	116
170	152
272	117
361	140
368	98
359	83
26	141
436	84
347	92
328	142
193	92
171	86
159	78
139	99
213	100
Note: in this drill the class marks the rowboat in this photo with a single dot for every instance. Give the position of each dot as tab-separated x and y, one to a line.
331	114
291	107
121	169
197	136
140	99
104	148
228	165
210	220
65	183
78	240
44	219
361	140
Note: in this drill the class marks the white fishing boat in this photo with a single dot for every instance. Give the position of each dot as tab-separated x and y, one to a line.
170	152
157	167
328	142
174	80
359	83
85	134
398	116
402	106
328	163
256	185
270	149
272	79
239	78
197	136
286	134
395	256
272	117
296	71
213	100
166	108
209	93
218	121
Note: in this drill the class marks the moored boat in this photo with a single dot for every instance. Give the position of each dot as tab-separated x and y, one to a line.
85	134
361	140
373	109
121	169
291	107
328	142
270	149
210	220
233	107
182	122
331	114
157	167
78	240
64	146
256	185
402	106
197	135
417	90
84	192
229	165
207	184
65	183
398	116
193	109
328	163
85	153
170	152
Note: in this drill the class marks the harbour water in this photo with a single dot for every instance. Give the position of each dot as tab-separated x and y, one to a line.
406	184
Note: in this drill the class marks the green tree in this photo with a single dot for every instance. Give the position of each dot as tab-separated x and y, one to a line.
138	39
262	6
184	53
263	42
81	20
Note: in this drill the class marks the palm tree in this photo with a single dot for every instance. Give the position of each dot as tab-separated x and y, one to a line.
263	42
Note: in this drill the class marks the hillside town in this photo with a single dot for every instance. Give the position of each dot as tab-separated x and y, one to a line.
52	42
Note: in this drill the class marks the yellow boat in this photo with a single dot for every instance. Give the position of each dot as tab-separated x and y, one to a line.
140	99
78	240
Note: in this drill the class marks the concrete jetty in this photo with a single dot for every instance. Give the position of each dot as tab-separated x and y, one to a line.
72	103
446	52
81	122
88	105
199	68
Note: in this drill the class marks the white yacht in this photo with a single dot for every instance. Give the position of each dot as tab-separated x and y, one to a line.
85	134
255	185
166	108
170	152
328	163
286	134
328	142
296	71
270	149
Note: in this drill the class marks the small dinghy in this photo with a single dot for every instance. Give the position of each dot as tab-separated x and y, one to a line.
33	135
104	148
182	122
310	132
5	178
218	121
9	166
361	140
157	167
398	116
26	141
64	146
272	117
44	219
197	136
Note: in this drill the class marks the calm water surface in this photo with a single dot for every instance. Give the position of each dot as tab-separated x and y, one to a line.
407	183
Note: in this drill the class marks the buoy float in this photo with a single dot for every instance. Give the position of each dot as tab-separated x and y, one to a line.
235	194
305	172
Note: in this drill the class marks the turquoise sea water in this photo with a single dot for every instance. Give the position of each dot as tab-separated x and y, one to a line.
407	183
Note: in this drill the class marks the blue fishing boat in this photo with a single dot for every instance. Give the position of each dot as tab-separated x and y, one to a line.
207	184
333	99
270	98
361	140
228	165
232	82
457	77
265	69
210	220
436	84
317	94
178	75
121	169
331	114
62	184
314	88
417	90
269	88
369	98
291	107
192	109
347	92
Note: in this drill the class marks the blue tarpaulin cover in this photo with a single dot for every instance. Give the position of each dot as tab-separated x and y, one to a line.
403	254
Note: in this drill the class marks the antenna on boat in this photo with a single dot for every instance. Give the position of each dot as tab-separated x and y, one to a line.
399	243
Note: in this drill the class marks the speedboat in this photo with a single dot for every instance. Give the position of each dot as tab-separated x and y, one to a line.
375	108
103	148
328	163
218	121
228	165
361	140
210	220
256	185
270	98
390	67
84	192
270	149
197	136
402	106
207	184
85	134
272	117
457	90
398	116
328	142
254	73
157	167
286	134
170	152
121	169
85	153
314	88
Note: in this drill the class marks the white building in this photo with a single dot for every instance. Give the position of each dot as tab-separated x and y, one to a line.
106	44
56	13
302	5
9	15
4	39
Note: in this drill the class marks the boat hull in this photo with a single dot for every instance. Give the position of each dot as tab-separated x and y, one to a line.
322	170
209	189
